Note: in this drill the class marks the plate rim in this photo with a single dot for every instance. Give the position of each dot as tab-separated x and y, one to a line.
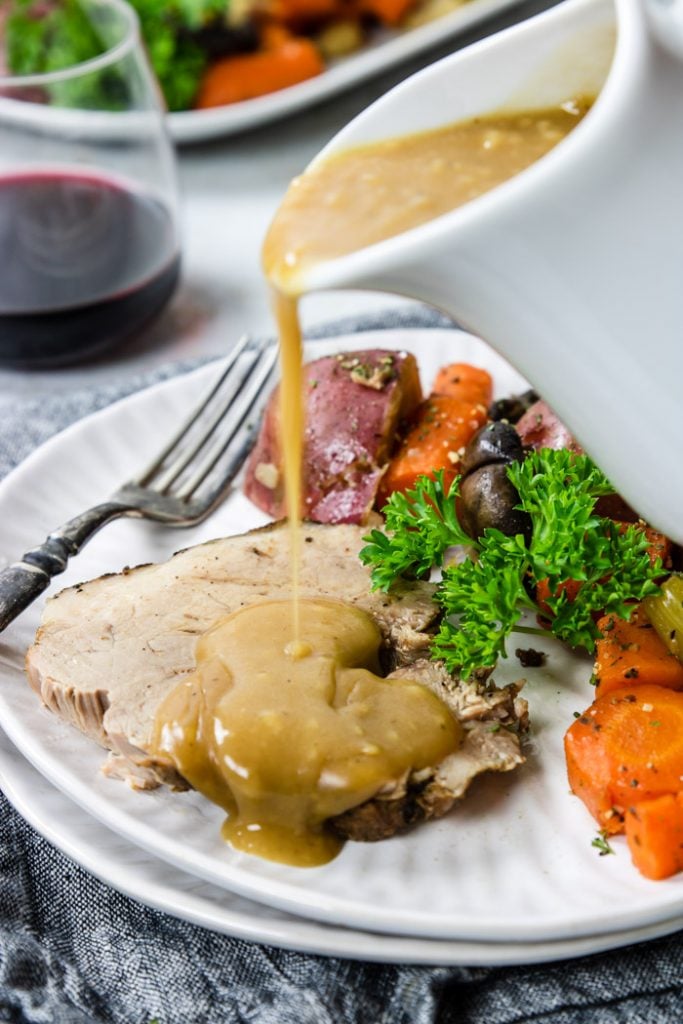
302	935
275	892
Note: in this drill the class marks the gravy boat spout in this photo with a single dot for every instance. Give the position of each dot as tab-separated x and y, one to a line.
573	269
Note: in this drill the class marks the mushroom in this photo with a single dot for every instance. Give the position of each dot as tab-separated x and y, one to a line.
512	408
487	496
494	442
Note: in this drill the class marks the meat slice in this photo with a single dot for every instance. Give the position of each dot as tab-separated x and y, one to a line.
493	720
354	404
109	651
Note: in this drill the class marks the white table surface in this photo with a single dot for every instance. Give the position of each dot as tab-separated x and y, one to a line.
230	190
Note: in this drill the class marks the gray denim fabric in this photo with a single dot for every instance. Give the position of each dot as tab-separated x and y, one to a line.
72	951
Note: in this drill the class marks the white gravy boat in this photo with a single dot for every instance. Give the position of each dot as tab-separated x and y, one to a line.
573	270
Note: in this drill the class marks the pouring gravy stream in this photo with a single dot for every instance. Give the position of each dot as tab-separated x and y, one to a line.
286	726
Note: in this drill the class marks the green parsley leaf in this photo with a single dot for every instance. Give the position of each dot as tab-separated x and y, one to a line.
601	843
420	526
482	602
483	599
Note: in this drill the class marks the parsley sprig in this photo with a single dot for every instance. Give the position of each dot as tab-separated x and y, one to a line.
423	524
602	844
484	597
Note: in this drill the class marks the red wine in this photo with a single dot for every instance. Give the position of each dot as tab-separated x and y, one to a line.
85	263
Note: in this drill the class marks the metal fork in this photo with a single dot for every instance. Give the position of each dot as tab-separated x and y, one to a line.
181	487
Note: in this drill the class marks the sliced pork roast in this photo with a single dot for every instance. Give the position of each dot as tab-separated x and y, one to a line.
354	404
109	651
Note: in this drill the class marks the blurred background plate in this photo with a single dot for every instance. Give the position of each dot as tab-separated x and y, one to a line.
387	50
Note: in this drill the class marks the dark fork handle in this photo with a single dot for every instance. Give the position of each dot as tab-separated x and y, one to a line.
22	582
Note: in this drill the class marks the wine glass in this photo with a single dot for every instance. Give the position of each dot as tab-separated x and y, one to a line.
89	248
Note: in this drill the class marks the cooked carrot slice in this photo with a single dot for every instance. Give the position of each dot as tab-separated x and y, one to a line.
273	35
626	748
254	74
654	831
464	381
440	432
543	592
632	654
301	11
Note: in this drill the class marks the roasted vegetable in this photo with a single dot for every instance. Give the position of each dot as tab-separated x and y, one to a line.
539	427
204	52
389	12
513	408
493	443
42	37
247	75
465	381
441	430
665	612
654	830
46	35
624	749
354	404
632	654
488	498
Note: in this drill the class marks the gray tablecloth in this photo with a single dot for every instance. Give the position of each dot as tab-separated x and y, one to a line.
72	951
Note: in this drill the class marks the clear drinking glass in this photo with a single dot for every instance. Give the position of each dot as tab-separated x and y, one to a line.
89	248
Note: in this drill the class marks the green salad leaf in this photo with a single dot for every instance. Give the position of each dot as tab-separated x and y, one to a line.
42	39
43	36
176	57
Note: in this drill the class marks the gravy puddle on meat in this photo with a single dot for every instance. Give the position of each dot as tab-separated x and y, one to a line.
284	739
285	723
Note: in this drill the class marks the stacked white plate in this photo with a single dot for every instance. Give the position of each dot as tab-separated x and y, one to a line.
509	876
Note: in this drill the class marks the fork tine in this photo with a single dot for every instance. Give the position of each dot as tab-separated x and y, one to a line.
229	471
144	479
234	421
214	418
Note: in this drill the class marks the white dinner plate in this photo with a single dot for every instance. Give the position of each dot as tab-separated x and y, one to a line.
512	863
157	884
387	50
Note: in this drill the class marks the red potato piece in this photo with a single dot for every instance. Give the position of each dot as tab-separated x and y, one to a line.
354	404
539	427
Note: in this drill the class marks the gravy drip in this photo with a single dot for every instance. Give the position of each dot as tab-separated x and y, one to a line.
368	194
292	434
282	741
